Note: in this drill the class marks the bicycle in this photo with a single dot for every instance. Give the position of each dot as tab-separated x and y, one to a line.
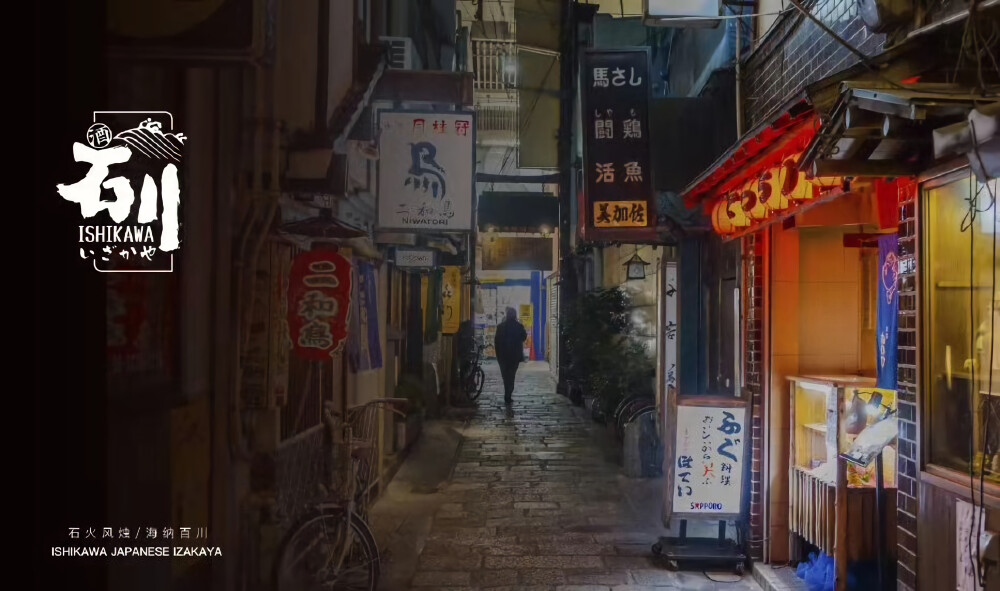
332	546
474	378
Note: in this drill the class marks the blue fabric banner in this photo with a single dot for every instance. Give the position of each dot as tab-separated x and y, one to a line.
369	311
888	311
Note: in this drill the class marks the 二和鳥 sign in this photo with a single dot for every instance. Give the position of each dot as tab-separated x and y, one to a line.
319	303
426	170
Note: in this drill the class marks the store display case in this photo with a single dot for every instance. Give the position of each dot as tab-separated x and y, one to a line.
827	413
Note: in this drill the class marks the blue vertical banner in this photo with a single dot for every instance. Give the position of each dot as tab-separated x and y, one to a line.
888	311
369	311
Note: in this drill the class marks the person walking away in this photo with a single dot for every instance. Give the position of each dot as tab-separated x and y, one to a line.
509	346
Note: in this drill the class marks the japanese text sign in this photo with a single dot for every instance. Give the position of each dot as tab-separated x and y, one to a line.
426	170
670	335
708	460
451	300
319	303
617	171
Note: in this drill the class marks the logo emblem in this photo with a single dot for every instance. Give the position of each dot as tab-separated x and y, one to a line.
145	156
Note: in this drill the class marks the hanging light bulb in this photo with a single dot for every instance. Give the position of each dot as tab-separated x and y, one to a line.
720	218
769	191
750	201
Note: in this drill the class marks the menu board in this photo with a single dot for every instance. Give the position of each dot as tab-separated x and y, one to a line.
708	461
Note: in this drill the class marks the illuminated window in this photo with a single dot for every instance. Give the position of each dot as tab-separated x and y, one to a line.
960	344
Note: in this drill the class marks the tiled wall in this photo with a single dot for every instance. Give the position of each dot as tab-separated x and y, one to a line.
754	248
797	52
906	503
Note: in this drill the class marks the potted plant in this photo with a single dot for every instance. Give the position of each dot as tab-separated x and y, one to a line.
603	361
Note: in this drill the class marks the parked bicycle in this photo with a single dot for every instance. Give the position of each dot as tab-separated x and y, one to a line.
473	378
332	547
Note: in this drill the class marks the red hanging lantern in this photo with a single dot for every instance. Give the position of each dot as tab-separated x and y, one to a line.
319	303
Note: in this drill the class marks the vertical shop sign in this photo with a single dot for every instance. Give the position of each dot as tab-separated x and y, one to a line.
888	311
281	263
670	336
451	298
618	184
319	303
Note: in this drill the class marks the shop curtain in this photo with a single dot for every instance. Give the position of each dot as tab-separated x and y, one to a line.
888	311
369	285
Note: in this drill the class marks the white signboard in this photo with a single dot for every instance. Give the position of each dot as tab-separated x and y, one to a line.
969	519
426	171
670	333
708	461
412	257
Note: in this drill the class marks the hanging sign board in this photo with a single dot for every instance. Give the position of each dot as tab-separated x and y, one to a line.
426	170
416	257
618	175
707	469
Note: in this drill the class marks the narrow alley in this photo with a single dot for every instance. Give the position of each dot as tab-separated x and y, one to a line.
525	498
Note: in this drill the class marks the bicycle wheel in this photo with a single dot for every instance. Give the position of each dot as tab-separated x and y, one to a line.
306	558
476	382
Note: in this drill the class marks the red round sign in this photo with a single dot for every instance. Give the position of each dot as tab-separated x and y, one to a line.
319	303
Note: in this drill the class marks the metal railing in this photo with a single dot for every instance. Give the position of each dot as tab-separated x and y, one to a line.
497	118
494	64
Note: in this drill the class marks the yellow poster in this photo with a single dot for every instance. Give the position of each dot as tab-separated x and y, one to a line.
620	214
424	283
451	300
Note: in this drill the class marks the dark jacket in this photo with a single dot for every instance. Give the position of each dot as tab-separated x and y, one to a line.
509	341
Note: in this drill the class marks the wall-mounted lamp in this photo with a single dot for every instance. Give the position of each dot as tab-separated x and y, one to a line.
635	267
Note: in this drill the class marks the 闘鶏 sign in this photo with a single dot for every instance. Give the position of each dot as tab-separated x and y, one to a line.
426	170
618	181
319	303
708	462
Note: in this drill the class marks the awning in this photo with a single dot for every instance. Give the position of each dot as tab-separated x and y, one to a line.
879	130
760	149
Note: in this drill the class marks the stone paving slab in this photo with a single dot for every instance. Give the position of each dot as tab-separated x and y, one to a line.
535	501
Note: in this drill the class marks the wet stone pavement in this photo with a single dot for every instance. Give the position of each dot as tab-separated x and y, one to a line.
533	500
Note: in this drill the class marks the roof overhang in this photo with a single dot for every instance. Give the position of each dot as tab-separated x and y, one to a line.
879	130
762	148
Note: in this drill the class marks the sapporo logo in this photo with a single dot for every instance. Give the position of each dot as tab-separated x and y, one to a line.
145	156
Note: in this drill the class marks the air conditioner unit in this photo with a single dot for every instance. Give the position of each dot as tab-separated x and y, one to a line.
402	55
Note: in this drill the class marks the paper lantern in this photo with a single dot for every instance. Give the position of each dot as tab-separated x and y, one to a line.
720	218
793	182
737	216
750	201
769	191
